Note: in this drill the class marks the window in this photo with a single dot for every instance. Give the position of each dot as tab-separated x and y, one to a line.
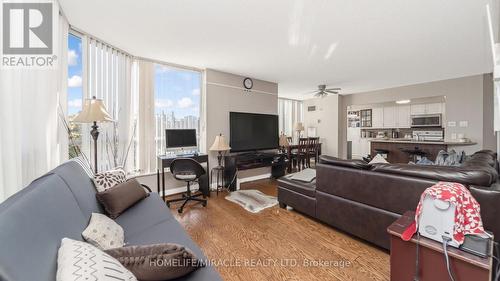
75	91
290	112
177	102
366	118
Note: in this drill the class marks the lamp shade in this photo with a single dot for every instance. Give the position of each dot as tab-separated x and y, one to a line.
220	144
284	140
298	126
93	111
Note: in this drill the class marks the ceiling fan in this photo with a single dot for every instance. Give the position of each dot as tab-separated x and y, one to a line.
323	91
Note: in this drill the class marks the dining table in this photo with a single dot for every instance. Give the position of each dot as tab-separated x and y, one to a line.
289	150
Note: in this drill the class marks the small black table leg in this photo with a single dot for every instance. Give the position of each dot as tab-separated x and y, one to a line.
163	182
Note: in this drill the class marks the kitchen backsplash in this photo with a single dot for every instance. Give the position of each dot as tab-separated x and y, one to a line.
372	133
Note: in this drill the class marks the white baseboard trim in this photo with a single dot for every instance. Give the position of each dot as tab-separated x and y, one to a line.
254	178
213	186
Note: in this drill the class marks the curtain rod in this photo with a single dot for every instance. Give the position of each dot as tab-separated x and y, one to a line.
173	65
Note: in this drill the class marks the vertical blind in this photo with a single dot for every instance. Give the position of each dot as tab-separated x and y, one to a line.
109	79
290	112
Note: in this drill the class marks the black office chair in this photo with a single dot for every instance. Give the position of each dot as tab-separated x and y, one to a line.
188	170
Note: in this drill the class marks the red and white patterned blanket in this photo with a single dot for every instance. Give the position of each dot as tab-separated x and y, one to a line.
467	210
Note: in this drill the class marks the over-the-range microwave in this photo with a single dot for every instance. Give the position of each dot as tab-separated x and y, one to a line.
426	120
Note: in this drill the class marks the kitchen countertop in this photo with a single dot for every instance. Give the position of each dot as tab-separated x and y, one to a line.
452	143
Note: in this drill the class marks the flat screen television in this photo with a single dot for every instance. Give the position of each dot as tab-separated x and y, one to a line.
180	138
251	131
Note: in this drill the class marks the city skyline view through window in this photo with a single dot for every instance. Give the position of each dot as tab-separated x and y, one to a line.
177	102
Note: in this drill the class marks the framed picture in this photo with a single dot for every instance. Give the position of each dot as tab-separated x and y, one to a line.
311	132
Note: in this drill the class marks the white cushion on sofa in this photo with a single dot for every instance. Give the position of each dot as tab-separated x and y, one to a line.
107	179
103	232
78	260
378	159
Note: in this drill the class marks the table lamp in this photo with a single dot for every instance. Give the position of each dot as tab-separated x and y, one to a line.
283	142
220	145
299	127
93	111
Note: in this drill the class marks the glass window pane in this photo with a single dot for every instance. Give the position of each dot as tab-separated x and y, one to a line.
75	91
177	102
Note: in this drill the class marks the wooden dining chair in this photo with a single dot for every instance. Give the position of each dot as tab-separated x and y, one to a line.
299	157
312	150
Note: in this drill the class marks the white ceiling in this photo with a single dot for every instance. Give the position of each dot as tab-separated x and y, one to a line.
358	45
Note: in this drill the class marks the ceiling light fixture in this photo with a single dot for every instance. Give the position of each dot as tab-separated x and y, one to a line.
403	101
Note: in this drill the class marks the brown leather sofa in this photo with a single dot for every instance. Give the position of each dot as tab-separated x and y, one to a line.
364	199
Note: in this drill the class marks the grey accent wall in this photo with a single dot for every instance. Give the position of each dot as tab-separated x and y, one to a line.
467	99
225	93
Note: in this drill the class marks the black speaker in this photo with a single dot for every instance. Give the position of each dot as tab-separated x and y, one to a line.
278	166
230	172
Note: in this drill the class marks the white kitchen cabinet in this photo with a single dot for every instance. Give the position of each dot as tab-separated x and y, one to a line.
427	108
390	117
417	109
434	108
377	117
403	116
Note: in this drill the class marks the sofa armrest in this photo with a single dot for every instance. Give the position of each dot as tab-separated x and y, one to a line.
355	164
489	200
463	175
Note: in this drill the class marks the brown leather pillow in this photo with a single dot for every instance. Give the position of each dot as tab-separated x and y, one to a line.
158	261
121	197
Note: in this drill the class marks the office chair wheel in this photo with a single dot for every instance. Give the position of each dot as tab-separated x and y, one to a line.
179	211
204	204
168	204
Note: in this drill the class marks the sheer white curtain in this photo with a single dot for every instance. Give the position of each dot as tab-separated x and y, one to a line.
143	92
290	112
32	139
109	78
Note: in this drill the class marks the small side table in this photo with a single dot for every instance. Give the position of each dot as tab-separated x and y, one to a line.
432	265
219	175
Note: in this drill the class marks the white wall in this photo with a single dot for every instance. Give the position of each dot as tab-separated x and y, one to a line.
464	102
326	121
225	93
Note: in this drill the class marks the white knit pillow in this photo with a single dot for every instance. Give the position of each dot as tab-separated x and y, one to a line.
78	260
103	232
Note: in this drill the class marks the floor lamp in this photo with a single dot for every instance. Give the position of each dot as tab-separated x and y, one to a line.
93	111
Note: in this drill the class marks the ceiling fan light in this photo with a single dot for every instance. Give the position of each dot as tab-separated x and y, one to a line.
403	101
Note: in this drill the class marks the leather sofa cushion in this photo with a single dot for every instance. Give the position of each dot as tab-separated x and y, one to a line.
481	159
305	188
463	175
356	164
391	192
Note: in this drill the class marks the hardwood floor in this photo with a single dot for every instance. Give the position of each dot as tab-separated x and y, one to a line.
277	244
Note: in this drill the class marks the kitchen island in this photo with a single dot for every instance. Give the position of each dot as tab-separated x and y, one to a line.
403	150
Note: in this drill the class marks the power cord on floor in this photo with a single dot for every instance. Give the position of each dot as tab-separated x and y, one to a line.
447	240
